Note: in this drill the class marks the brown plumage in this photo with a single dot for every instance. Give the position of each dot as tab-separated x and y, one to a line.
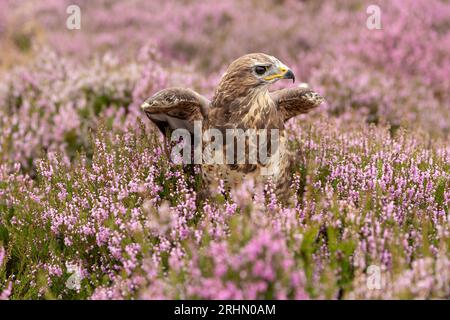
241	101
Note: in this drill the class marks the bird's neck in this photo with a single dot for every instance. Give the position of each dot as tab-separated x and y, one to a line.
244	105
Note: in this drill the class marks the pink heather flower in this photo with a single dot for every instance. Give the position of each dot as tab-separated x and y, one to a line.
4	295
2	255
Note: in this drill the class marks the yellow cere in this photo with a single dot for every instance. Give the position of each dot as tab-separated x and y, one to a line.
278	75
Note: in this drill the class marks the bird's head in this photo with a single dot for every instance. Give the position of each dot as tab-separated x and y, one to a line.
257	70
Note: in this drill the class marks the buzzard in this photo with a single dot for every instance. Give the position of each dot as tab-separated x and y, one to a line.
243	103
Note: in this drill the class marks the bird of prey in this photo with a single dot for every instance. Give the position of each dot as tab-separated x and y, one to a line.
241	101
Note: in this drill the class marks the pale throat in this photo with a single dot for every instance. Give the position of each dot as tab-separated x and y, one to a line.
258	106
250	106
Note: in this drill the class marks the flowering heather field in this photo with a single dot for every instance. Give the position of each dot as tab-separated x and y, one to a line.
87	188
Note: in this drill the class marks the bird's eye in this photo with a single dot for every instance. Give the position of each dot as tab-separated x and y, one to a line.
260	69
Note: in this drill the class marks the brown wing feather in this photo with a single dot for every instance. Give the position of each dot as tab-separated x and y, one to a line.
175	108
294	101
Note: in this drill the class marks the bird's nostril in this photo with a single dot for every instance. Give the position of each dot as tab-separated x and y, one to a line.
283	69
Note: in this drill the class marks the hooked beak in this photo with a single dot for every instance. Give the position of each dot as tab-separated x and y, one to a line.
285	73
289	75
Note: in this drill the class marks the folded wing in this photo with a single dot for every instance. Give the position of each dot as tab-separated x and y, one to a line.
175	108
294	101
